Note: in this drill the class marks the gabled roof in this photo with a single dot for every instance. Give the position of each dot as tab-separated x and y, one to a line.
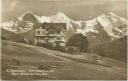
53	25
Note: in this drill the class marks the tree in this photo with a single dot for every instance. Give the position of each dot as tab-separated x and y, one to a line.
78	40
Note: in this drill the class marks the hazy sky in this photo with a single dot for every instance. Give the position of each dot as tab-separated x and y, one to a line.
75	9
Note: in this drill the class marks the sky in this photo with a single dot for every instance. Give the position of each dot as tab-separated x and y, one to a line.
74	9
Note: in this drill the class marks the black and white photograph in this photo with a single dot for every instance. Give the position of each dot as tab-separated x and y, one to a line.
64	40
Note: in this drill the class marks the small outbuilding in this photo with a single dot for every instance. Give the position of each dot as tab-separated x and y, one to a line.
72	50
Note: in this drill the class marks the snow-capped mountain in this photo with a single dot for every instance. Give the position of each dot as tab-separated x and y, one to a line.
58	18
21	24
103	28
26	22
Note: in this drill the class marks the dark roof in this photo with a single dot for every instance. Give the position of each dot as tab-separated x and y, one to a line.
53	25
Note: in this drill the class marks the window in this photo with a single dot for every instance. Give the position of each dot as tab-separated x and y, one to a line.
58	32
43	27
52	32
63	32
61	38
43	32
37	38
49	32
58	38
38	32
40	27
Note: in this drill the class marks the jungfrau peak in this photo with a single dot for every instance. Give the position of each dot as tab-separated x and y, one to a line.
27	13
62	17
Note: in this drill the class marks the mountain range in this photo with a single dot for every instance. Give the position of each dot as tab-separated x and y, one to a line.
104	28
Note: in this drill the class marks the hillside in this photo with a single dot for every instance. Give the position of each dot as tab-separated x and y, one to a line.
64	66
18	37
115	50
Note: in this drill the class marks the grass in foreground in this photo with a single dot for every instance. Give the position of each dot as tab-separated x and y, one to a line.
22	56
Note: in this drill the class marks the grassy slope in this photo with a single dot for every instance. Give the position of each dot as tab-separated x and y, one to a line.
115	50
22	56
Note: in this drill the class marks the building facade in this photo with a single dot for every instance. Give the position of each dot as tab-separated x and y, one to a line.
51	33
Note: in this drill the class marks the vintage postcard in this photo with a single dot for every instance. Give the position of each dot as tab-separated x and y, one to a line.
64	39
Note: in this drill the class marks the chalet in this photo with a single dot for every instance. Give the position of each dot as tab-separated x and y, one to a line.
51	33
